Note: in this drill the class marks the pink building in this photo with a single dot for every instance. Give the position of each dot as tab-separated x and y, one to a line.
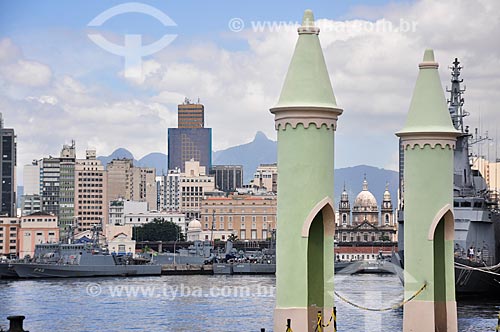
39	227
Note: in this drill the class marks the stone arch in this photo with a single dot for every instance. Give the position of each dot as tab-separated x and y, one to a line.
445	214
441	232
319	230
325	206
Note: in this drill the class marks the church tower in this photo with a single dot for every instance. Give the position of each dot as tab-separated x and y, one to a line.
387	212
344	209
306	120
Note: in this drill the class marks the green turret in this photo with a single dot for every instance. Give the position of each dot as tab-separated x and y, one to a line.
428	140
306	119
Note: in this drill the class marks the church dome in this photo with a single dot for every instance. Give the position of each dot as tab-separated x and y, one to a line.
194	224
365	201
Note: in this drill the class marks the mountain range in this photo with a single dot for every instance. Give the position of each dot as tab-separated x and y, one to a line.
263	150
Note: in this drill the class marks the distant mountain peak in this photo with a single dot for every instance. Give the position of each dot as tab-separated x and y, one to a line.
260	136
121	153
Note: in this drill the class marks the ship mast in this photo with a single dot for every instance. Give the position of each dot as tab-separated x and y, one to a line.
456	100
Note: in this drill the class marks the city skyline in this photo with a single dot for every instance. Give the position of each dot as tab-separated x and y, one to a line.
53	76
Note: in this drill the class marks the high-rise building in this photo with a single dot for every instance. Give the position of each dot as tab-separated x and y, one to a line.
91	203
8	170
131	183
194	183
191	140
169	191
190	115
31	178
49	184
227	177
119	178
57	186
67	186
143	186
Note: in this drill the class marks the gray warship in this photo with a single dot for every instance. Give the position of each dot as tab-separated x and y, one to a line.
476	210
199	253
71	260
7	270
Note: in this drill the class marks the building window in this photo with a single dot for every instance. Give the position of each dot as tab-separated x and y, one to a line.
242	234
254	235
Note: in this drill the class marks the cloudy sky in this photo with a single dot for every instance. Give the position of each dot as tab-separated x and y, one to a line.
56	84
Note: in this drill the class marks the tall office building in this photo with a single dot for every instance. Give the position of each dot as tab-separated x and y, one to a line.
8	170
131	183
57	186
190	115
49	184
190	140
169	191
91	203
119	178
31	178
227	177
143	186
67	160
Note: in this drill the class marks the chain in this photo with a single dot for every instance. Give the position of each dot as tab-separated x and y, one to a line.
394	307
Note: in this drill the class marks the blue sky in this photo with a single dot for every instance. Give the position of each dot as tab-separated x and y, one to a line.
53	76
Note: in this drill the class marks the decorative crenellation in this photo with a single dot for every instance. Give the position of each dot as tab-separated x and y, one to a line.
412	143
308	30
317	116
295	122
433	139
428	65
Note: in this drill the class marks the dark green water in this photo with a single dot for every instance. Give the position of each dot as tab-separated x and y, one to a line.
201	303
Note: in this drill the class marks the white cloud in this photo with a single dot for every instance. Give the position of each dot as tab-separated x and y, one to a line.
8	51
43	99
27	73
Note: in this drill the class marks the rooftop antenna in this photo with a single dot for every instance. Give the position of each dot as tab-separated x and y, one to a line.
456	100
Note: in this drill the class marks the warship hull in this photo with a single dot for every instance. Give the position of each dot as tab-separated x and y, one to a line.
76	271
7	271
252	268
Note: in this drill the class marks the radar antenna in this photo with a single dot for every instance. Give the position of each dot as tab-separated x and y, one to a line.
456	100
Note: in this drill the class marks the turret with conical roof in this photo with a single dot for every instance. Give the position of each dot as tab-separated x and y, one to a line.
305	118
307	95
428	116
428	139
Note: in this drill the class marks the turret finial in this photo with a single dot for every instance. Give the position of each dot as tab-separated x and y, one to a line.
308	26
428	61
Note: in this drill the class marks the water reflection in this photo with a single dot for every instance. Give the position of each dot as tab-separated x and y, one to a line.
204	303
